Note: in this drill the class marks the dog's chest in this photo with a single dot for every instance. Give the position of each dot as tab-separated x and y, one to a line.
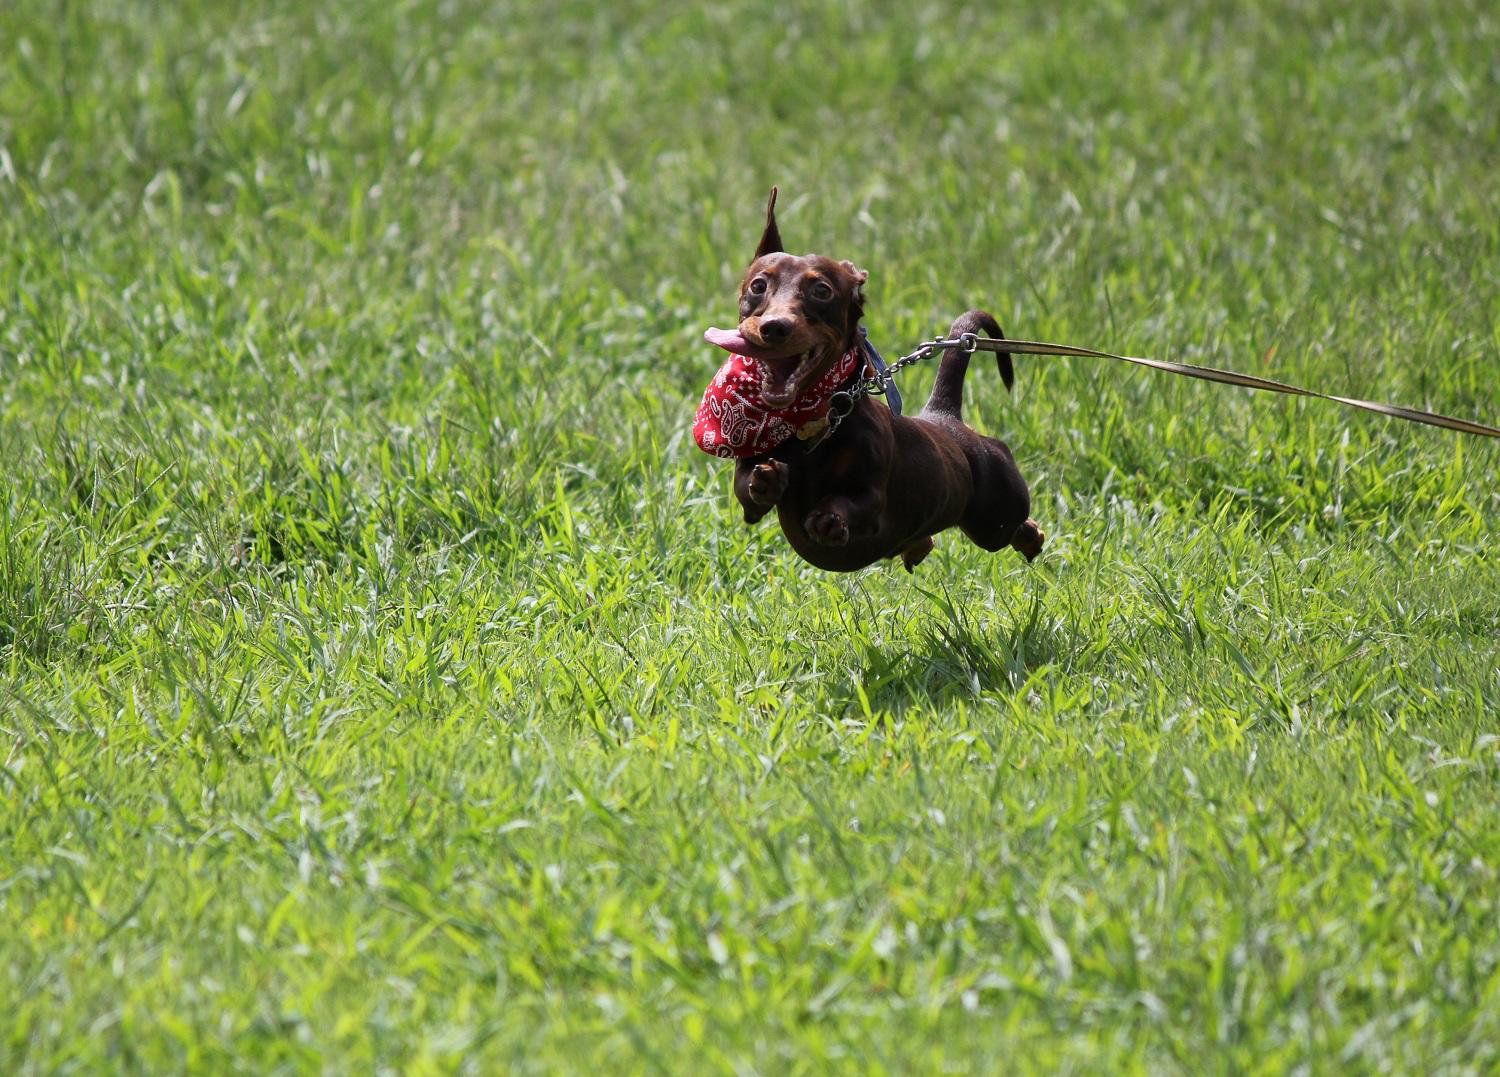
827	472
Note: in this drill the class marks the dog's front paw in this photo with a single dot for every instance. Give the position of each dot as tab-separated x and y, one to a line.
826	527
767	483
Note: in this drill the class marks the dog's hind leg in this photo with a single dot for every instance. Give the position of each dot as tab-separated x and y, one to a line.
1000	514
1029	539
1026	537
917	552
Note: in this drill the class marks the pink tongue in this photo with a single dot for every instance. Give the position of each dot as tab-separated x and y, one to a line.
728	339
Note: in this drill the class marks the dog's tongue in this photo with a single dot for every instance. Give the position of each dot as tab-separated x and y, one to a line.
775	379
728	339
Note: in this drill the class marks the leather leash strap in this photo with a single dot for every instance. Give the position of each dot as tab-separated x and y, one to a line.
973	342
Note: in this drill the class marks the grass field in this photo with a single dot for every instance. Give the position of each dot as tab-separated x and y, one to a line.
387	682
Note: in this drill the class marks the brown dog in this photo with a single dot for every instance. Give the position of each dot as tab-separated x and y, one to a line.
881	485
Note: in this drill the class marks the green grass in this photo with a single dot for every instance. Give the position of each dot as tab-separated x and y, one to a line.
387	681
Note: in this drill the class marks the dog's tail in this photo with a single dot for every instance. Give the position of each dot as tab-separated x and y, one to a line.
948	390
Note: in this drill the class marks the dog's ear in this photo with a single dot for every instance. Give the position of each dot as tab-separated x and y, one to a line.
856	296
770	239
858	276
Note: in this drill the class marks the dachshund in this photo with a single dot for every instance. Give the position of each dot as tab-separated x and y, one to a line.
880	485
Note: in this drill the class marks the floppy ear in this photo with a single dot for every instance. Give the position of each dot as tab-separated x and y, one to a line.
770	239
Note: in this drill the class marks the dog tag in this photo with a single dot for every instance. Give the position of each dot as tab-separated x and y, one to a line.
813	429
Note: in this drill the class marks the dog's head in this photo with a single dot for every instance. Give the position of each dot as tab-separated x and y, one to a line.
798	315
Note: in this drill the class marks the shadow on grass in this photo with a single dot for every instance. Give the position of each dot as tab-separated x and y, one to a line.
956	656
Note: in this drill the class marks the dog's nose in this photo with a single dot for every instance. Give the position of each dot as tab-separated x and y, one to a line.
775	330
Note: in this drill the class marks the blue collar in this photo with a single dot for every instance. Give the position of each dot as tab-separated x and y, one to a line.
892	394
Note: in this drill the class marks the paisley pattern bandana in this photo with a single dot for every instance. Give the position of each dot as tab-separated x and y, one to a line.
735	421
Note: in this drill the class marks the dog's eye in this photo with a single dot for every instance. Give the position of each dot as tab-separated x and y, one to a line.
758	286
821	291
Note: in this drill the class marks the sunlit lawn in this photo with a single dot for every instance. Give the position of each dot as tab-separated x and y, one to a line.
388	681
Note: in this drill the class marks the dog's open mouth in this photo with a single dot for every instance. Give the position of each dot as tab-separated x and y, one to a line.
782	377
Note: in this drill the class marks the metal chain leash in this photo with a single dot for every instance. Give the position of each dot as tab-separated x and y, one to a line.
843	401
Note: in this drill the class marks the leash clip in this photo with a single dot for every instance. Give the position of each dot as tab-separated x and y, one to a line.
840	404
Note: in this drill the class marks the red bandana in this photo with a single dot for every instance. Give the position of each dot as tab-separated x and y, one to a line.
733	420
